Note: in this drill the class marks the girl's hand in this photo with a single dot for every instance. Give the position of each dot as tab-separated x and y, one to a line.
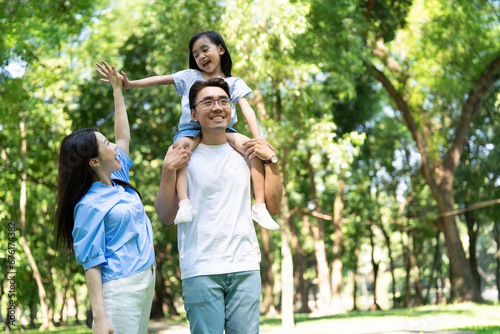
126	81
258	148
110	75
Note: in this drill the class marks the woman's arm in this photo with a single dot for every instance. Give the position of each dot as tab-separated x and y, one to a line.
250	117
122	127
166	203
94	286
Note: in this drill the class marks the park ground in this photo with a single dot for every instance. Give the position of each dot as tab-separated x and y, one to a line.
442	319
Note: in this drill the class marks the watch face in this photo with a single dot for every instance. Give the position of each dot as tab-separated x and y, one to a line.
274	159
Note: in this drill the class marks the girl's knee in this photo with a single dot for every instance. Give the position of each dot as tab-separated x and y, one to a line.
189	143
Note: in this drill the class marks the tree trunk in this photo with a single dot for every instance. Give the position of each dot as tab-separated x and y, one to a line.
324	301
62	317
6	319
46	321
158	298
416	270
462	284
267	304
375	265
75	298
435	276
163	294
338	208
302	292
462	281
356	274
473	231
407	266
52	296
387	238
496	231
33	311
288	322
318	233
287	319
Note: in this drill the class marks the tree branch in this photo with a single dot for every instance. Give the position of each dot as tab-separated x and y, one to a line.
369	7
471	108
412	126
259	100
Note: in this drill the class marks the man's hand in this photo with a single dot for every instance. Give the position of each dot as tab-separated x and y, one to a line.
176	158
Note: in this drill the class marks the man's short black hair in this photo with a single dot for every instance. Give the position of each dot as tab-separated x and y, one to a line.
199	85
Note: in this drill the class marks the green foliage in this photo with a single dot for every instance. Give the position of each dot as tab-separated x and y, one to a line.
307	62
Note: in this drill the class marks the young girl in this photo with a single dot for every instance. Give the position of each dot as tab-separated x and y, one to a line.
209	58
100	217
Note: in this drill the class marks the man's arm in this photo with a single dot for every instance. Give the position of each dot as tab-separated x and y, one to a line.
167	203
273	190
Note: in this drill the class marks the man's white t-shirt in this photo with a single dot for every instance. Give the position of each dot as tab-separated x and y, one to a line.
221	239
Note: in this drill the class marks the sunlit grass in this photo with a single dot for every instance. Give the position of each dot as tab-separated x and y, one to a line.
480	319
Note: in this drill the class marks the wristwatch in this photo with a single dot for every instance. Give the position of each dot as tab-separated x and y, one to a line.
272	160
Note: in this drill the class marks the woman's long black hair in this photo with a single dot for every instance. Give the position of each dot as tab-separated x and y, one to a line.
74	181
225	62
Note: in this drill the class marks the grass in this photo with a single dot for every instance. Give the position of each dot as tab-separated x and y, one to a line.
480	319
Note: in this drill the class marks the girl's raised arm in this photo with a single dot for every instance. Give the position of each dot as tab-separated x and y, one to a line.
157	80
250	118
122	128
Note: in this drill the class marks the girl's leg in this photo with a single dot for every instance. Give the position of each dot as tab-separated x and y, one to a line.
257	172
186	212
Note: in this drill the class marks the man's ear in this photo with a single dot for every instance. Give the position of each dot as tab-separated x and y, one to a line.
94	162
193	115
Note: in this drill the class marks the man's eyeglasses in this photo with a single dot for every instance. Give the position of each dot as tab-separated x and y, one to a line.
207	103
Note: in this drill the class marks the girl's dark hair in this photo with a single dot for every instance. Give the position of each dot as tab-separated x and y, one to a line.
74	180
199	85
216	38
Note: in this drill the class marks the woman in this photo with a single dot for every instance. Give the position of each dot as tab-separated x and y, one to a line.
100	217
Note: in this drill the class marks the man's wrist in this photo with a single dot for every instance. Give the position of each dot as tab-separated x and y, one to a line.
272	160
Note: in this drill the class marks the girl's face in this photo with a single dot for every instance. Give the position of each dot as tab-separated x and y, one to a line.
207	55
108	154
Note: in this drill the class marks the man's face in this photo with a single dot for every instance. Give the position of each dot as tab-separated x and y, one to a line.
214	117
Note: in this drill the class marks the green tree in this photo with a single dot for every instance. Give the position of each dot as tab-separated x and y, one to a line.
426	101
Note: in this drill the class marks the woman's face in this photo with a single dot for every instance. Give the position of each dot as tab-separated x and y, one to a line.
108	154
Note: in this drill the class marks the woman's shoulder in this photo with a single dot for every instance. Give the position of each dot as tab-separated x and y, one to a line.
92	197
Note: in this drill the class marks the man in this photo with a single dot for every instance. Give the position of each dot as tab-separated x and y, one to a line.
218	251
